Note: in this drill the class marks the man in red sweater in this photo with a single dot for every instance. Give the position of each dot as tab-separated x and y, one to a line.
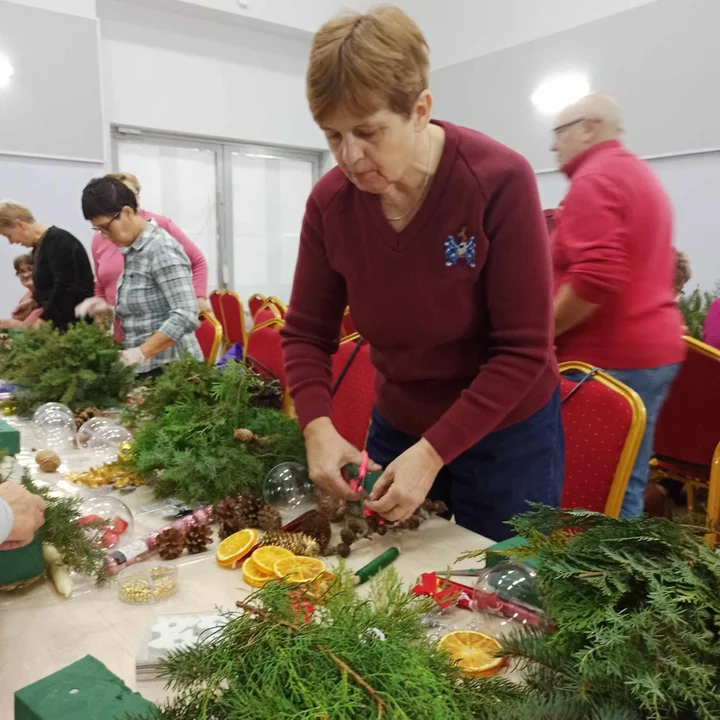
614	262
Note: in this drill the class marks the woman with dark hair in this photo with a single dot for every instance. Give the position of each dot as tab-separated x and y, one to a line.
156	303
23	265
62	274
434	236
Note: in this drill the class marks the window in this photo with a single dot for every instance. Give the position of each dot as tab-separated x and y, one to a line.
242	205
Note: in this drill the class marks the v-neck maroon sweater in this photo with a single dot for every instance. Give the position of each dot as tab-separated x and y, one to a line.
457	308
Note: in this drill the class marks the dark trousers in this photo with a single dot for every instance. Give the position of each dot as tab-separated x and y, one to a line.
496	478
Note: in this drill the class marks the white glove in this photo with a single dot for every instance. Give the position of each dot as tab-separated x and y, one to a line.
92	306
132	356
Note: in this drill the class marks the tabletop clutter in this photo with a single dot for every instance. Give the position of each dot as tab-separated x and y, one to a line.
322	621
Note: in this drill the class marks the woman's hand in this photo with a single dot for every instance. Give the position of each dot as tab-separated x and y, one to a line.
204	305
328	453
405	483
22	311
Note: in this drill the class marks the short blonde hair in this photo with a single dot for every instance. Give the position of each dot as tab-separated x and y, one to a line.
128	179
11	212
365	63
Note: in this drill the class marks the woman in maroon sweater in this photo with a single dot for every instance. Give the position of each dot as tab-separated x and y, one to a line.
434	235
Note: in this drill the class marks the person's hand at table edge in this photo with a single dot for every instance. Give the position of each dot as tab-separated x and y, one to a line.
28	514
406	482
328	453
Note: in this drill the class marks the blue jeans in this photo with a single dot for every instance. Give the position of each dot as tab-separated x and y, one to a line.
653	386
496	478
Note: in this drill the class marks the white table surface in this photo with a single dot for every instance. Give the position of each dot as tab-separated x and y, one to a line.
41	633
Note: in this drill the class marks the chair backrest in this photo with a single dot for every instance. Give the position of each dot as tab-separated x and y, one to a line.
255	303
688	427
604	422
279	305
233	317
216	304
348	326
354	397
268	311
263	349
209	335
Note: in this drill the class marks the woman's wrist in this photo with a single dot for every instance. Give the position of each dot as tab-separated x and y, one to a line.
317	426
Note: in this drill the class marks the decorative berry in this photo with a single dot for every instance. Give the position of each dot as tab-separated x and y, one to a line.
413	523
342	550
381	530
348	536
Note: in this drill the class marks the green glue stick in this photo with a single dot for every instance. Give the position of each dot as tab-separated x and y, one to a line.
375	566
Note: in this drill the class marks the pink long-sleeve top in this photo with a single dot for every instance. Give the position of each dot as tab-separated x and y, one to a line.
711	329
35	315
109	262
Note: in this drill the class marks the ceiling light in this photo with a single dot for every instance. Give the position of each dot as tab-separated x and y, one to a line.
560	91
6	71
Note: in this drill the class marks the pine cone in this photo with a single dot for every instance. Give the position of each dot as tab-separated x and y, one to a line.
317	526
225	510
269	394
269	518
89	413
48	461
170	543
248	508
334	508
297	543
227	529
197	538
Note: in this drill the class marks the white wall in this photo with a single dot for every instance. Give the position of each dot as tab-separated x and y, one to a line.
167	71
81	8
459	30
660	61
305	16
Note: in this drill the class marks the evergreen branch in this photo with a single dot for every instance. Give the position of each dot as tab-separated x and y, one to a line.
342	665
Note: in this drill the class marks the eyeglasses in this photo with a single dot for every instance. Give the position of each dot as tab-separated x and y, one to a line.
106	229
557	130
23	272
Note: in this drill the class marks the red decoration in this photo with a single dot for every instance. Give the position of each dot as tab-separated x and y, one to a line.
444	593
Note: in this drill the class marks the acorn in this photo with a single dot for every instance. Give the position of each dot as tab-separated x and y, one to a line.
381	530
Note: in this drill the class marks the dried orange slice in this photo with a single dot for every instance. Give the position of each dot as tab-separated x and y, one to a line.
234	548
266	557
473	652
253	575
299	568
320	585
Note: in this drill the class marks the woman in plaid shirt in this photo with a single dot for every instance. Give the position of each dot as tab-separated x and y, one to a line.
156	302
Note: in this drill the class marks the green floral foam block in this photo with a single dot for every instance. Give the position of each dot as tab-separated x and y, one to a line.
85	690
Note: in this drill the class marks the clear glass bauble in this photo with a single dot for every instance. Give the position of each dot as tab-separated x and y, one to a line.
110	521
287	486
51	408
107	441
508	590
55	430
89	428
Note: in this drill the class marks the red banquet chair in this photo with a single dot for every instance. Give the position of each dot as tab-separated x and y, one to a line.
209	335
263	351
348	326
279	305
353	378
268	311
687	434
604	422
255	303
233	317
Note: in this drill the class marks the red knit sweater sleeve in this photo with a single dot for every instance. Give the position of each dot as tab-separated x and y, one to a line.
517	290
596	235
312	326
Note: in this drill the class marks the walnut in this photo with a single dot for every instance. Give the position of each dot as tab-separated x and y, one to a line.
48	461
